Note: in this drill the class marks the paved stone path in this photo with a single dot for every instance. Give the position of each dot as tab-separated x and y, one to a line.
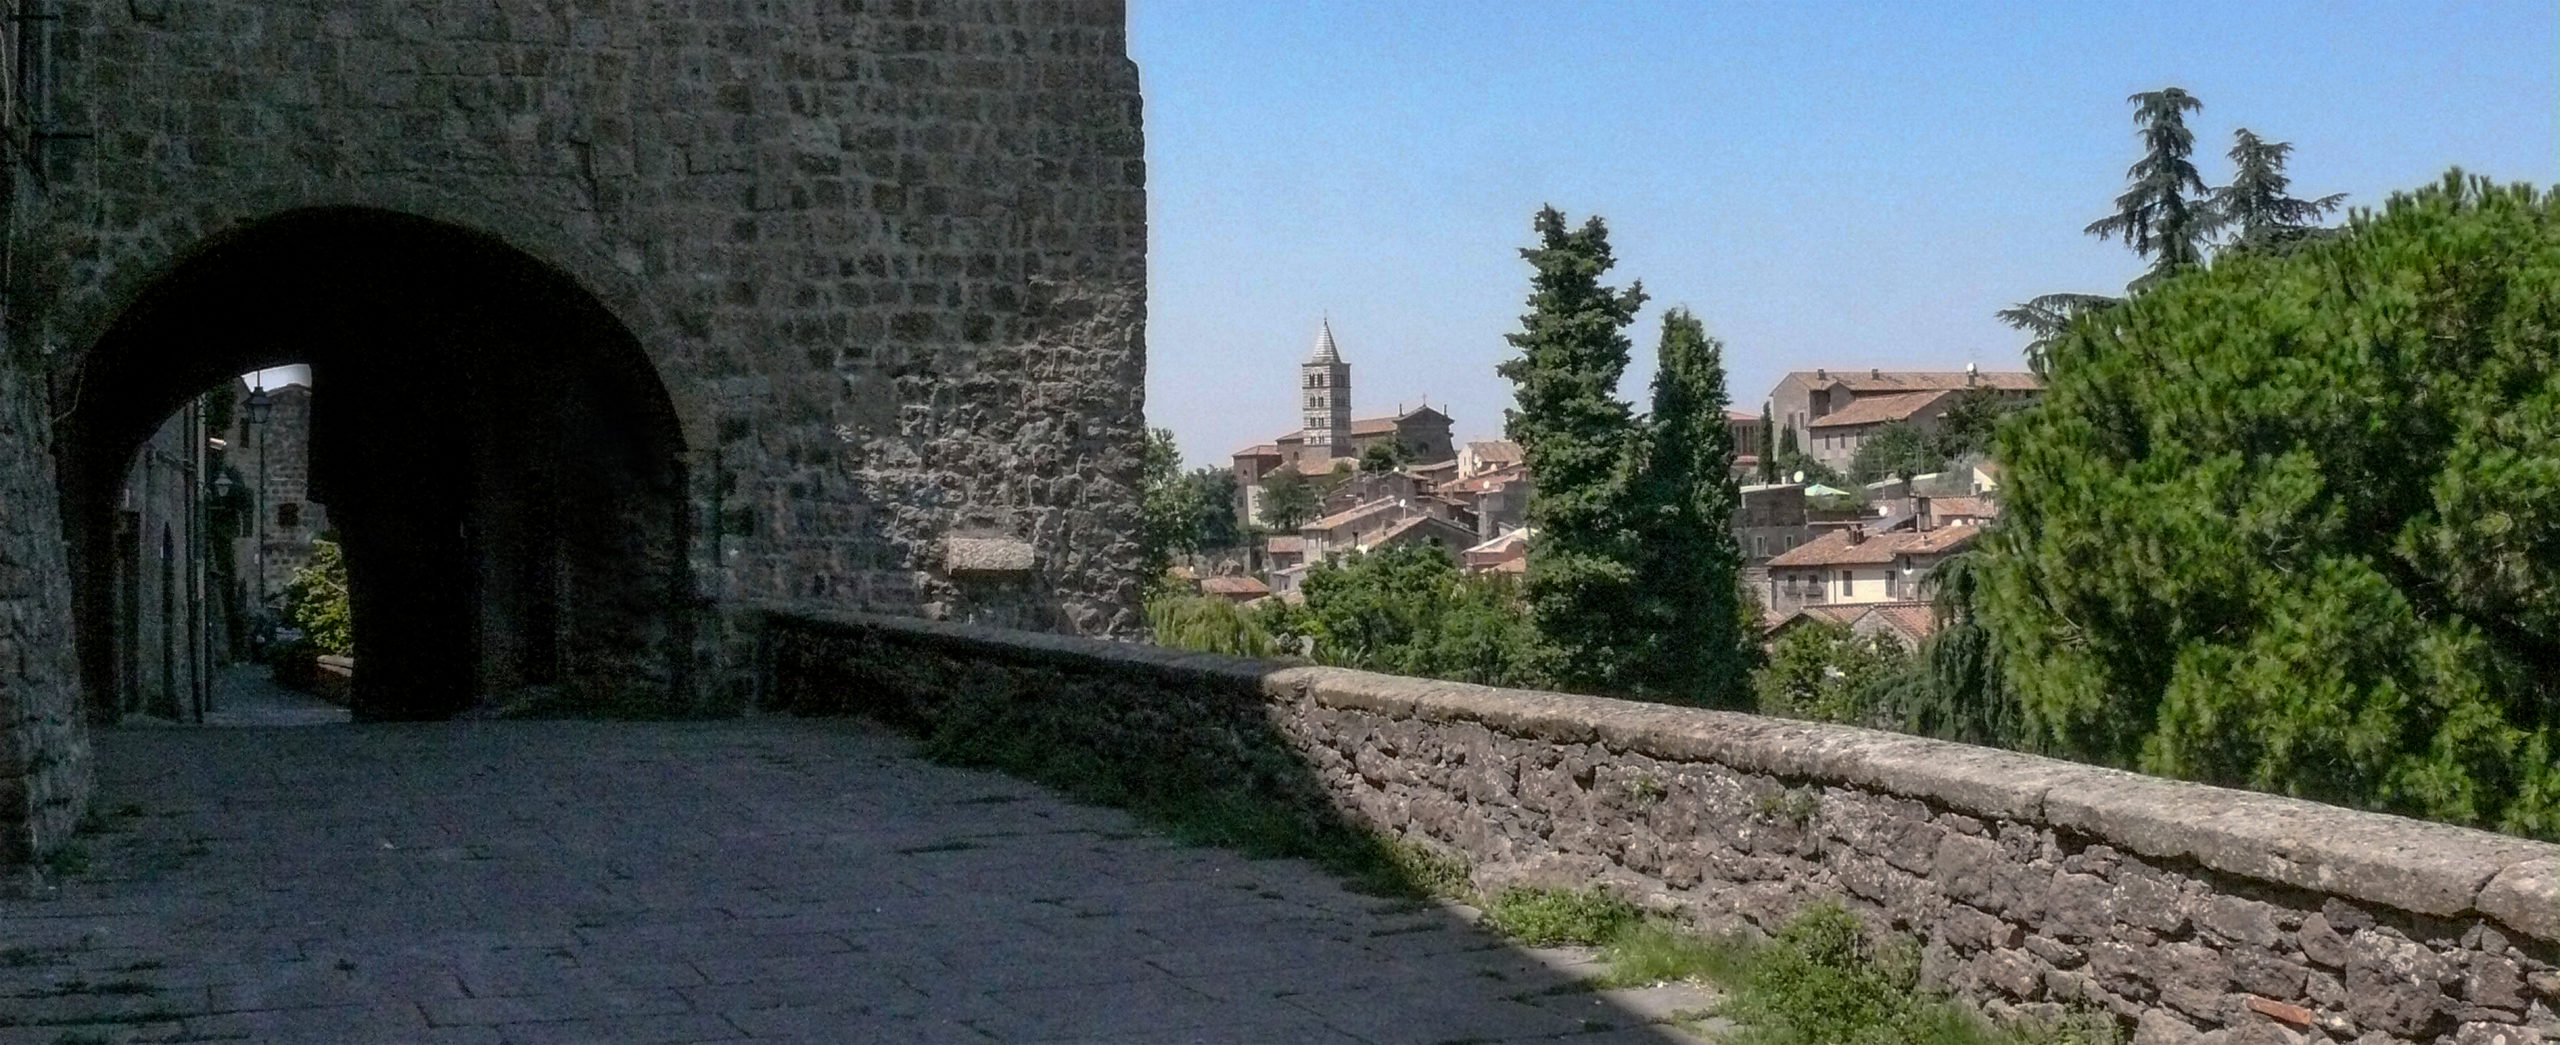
762	879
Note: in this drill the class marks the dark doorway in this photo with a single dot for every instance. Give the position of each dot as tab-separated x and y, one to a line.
496	453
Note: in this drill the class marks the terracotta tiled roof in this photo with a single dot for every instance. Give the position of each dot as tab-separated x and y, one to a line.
1503	542
1915	620
1869	410
1383	425
1233	586
1739	416
1912	621
1287	544
1938	541
1400	529
1258	450
1873	381
1492	480
1834	549
1349	515
1977	507
1495	451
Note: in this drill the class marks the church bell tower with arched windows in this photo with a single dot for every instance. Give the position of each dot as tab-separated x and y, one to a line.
1326	396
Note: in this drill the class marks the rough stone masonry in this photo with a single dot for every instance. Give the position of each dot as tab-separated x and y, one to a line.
884	258
2191	913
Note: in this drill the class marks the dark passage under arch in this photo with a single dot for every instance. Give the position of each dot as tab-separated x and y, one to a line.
495	449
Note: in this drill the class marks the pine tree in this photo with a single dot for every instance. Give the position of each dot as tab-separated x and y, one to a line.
1683	500
1575	434
2256	204
2159	215
2293	523
2045	317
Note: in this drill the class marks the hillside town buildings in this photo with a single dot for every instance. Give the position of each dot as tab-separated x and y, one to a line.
1860	557
1827	414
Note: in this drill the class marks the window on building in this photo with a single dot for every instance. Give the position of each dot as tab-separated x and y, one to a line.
1892	585
288	514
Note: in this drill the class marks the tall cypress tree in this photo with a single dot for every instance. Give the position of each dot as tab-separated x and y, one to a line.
2160	214
1681	507
1576	434
1768	448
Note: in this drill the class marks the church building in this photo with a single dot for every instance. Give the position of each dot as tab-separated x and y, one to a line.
1328	438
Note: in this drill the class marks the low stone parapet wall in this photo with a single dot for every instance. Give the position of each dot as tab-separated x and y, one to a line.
2188	910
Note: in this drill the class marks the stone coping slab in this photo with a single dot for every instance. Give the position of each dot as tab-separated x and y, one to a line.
2412	865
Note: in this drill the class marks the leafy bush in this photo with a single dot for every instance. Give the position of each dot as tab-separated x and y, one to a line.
1823	671
2293	522
1207	624
1409	611
316	601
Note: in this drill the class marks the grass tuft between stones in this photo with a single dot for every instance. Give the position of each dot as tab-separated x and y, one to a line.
1552	917
1827	980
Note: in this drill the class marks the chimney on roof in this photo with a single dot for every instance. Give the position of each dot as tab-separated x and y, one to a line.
1858	534
1920	513
1970	373
1875	372
1820	374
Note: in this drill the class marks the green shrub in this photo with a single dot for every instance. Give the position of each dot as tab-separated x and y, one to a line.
316	601
1206	624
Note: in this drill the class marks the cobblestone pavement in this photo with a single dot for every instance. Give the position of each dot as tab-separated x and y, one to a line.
760	879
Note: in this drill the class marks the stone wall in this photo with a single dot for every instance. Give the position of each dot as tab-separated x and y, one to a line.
886	260
2191	912
44	745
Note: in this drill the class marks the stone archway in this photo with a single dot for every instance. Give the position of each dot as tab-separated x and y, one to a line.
501	458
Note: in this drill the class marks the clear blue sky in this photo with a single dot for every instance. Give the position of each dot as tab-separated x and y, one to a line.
1825	184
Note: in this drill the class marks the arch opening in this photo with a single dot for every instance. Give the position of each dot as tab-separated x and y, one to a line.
499	459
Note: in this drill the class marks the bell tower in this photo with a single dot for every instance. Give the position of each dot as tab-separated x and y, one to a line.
1325	394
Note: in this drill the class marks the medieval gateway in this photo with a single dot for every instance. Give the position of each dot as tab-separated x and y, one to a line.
627	314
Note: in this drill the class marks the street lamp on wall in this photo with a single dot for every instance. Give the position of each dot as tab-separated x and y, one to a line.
260	405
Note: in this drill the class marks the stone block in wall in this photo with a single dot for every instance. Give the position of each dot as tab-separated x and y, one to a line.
2393	984
2527	897
987	556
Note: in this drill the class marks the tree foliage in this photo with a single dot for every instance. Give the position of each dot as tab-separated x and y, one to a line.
2161	215
1167	507
316	601
1383	457
1576	434
1409	611
1687	647
1213	498
2256	206
1965	429
1956	688
1824	671
1290	500
1208	624
2293	523
2043	319
1768	448
1895	451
